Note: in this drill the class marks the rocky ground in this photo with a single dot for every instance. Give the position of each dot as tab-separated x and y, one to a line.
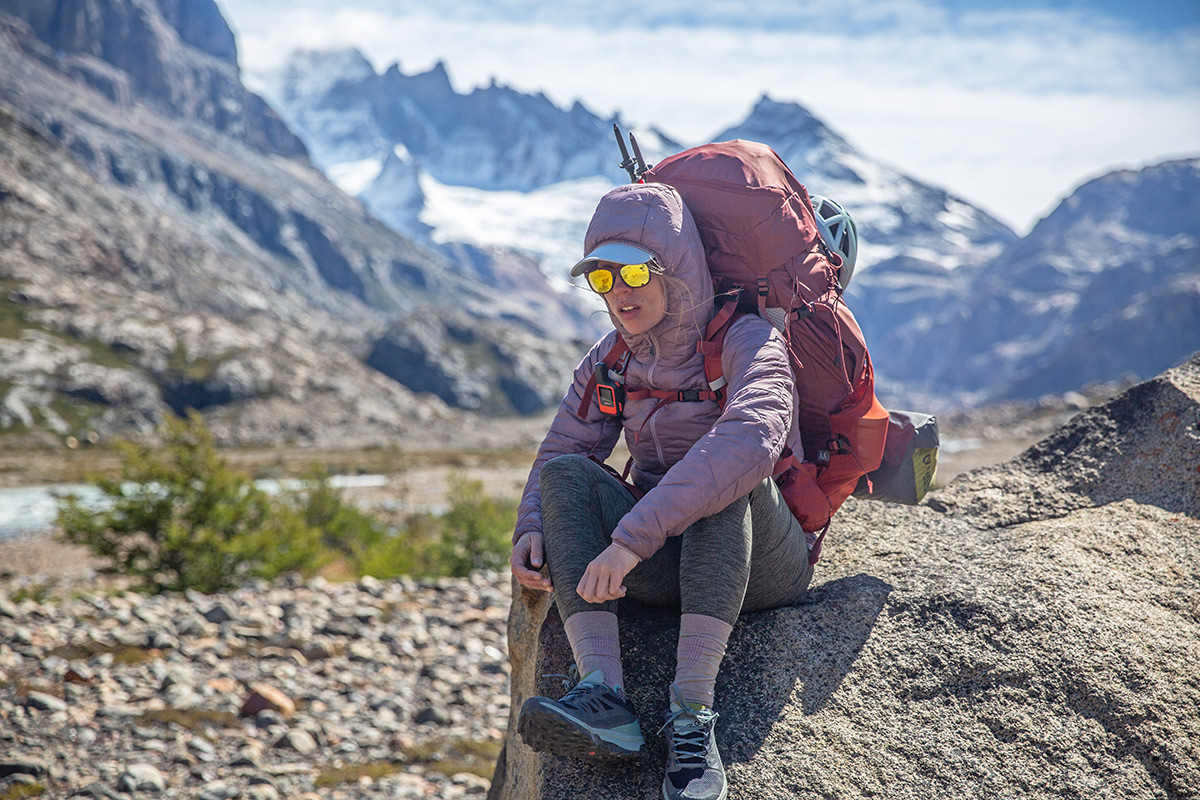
318	689
1029	631
291	690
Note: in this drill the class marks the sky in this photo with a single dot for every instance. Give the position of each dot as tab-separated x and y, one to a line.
1009	107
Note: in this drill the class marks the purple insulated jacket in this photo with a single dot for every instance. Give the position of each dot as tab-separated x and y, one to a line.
692	459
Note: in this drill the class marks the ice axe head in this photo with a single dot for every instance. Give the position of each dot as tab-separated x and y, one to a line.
635	165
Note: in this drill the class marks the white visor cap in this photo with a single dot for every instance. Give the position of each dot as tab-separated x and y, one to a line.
616	252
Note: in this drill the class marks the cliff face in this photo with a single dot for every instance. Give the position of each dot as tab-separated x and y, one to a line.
167	245
178	54
1029	631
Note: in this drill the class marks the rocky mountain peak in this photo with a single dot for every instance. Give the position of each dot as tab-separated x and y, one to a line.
429	91
1104	287
1155	202
178	55
200	24
1105	220
492	137
790	122
436	76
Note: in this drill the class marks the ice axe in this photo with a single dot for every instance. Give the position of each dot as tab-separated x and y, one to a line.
635	166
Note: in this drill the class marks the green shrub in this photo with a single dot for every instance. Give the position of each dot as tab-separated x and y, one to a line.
179	517
474	533
345	529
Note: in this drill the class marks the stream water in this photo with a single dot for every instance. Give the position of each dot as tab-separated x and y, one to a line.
31	509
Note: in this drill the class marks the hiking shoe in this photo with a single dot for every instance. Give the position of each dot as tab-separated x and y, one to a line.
591	720
694	768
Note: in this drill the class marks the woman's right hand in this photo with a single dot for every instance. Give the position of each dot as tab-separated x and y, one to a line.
527	561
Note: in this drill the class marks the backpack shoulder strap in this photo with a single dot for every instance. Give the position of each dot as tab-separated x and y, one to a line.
711	348
714	345
616	356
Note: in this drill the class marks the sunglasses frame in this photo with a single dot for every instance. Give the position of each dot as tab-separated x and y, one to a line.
620	273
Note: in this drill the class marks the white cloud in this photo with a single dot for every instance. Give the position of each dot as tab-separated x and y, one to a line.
1007	109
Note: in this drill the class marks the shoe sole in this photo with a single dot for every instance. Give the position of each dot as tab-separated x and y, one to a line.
547	731
724	793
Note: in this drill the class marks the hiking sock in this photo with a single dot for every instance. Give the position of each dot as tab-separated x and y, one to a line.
596	644
702	641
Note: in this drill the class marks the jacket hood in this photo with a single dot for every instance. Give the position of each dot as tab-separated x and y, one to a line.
652	216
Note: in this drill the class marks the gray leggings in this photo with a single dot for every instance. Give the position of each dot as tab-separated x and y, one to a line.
750	556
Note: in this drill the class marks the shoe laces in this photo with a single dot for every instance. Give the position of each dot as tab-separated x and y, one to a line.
690	733
571	682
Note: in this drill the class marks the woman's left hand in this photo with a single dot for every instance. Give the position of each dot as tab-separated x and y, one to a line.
602	580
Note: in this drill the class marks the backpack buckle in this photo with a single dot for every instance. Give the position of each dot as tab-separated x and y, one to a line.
689	395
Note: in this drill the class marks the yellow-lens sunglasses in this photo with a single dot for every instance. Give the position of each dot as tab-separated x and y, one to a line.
634	275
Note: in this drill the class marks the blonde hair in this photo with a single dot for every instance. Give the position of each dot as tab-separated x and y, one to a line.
680	288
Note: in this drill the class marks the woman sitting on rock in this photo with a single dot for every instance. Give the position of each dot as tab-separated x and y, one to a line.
710	535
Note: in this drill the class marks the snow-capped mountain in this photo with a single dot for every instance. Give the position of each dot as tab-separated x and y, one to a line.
897	216
459	168
413	149
951	301
491	138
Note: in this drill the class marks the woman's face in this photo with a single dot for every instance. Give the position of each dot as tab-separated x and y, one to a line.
638	310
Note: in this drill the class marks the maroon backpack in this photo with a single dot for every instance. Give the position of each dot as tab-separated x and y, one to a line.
766	256
761	241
